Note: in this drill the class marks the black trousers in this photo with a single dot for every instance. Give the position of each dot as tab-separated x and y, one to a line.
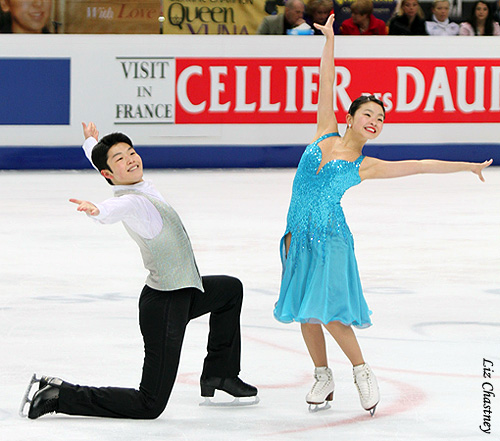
163	316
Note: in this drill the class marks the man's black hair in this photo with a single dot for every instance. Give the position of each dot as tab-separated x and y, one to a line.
100	150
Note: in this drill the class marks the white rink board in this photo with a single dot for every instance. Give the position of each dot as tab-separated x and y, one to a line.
95	85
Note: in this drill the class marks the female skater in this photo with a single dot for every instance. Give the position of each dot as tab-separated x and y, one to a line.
320	284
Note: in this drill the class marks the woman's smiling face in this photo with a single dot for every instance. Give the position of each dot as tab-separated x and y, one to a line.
28	16
368	120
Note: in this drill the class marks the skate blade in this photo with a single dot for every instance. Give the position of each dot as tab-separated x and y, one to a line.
372	410
26	397
313	408
237	402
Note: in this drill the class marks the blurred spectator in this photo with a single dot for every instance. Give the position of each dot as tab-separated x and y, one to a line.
318	11
281	23
409	19
440	23
25	16
362	21
496	14
480	22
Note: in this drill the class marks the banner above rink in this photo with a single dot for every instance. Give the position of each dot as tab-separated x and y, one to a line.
265	90
229	17
236	17
109	16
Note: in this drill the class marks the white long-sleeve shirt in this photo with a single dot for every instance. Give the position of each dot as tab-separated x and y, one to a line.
136	211
436	27
165	247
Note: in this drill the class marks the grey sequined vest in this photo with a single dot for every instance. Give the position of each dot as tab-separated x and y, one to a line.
168	256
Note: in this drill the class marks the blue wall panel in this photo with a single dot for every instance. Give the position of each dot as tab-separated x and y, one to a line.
32	158
35	91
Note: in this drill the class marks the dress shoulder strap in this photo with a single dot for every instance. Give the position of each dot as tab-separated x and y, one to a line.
359	160
327	135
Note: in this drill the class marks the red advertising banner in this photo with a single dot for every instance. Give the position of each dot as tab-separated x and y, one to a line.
279	90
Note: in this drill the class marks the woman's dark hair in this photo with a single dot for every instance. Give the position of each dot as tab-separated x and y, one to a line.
488	26
100	150
5	22
363	99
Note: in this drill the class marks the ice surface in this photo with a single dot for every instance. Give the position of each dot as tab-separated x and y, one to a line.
428	249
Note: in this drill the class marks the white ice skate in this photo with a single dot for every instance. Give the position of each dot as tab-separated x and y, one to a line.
322	390
367	386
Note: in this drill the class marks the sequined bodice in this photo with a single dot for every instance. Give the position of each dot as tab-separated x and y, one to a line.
315	211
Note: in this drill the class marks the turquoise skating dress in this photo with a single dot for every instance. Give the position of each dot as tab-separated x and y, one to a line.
320	281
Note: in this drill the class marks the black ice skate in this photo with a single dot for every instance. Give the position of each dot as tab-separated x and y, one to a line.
44	400
244	394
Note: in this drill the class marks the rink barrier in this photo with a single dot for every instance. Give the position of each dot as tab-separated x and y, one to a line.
241	156
241	101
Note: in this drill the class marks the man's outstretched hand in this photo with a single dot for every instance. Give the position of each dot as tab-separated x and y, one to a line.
86	207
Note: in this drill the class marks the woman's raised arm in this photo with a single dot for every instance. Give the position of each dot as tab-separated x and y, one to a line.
326	121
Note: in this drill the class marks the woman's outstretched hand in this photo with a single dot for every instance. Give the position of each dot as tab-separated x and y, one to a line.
478	168
327	28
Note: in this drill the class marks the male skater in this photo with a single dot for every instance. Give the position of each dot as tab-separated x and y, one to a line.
173	295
